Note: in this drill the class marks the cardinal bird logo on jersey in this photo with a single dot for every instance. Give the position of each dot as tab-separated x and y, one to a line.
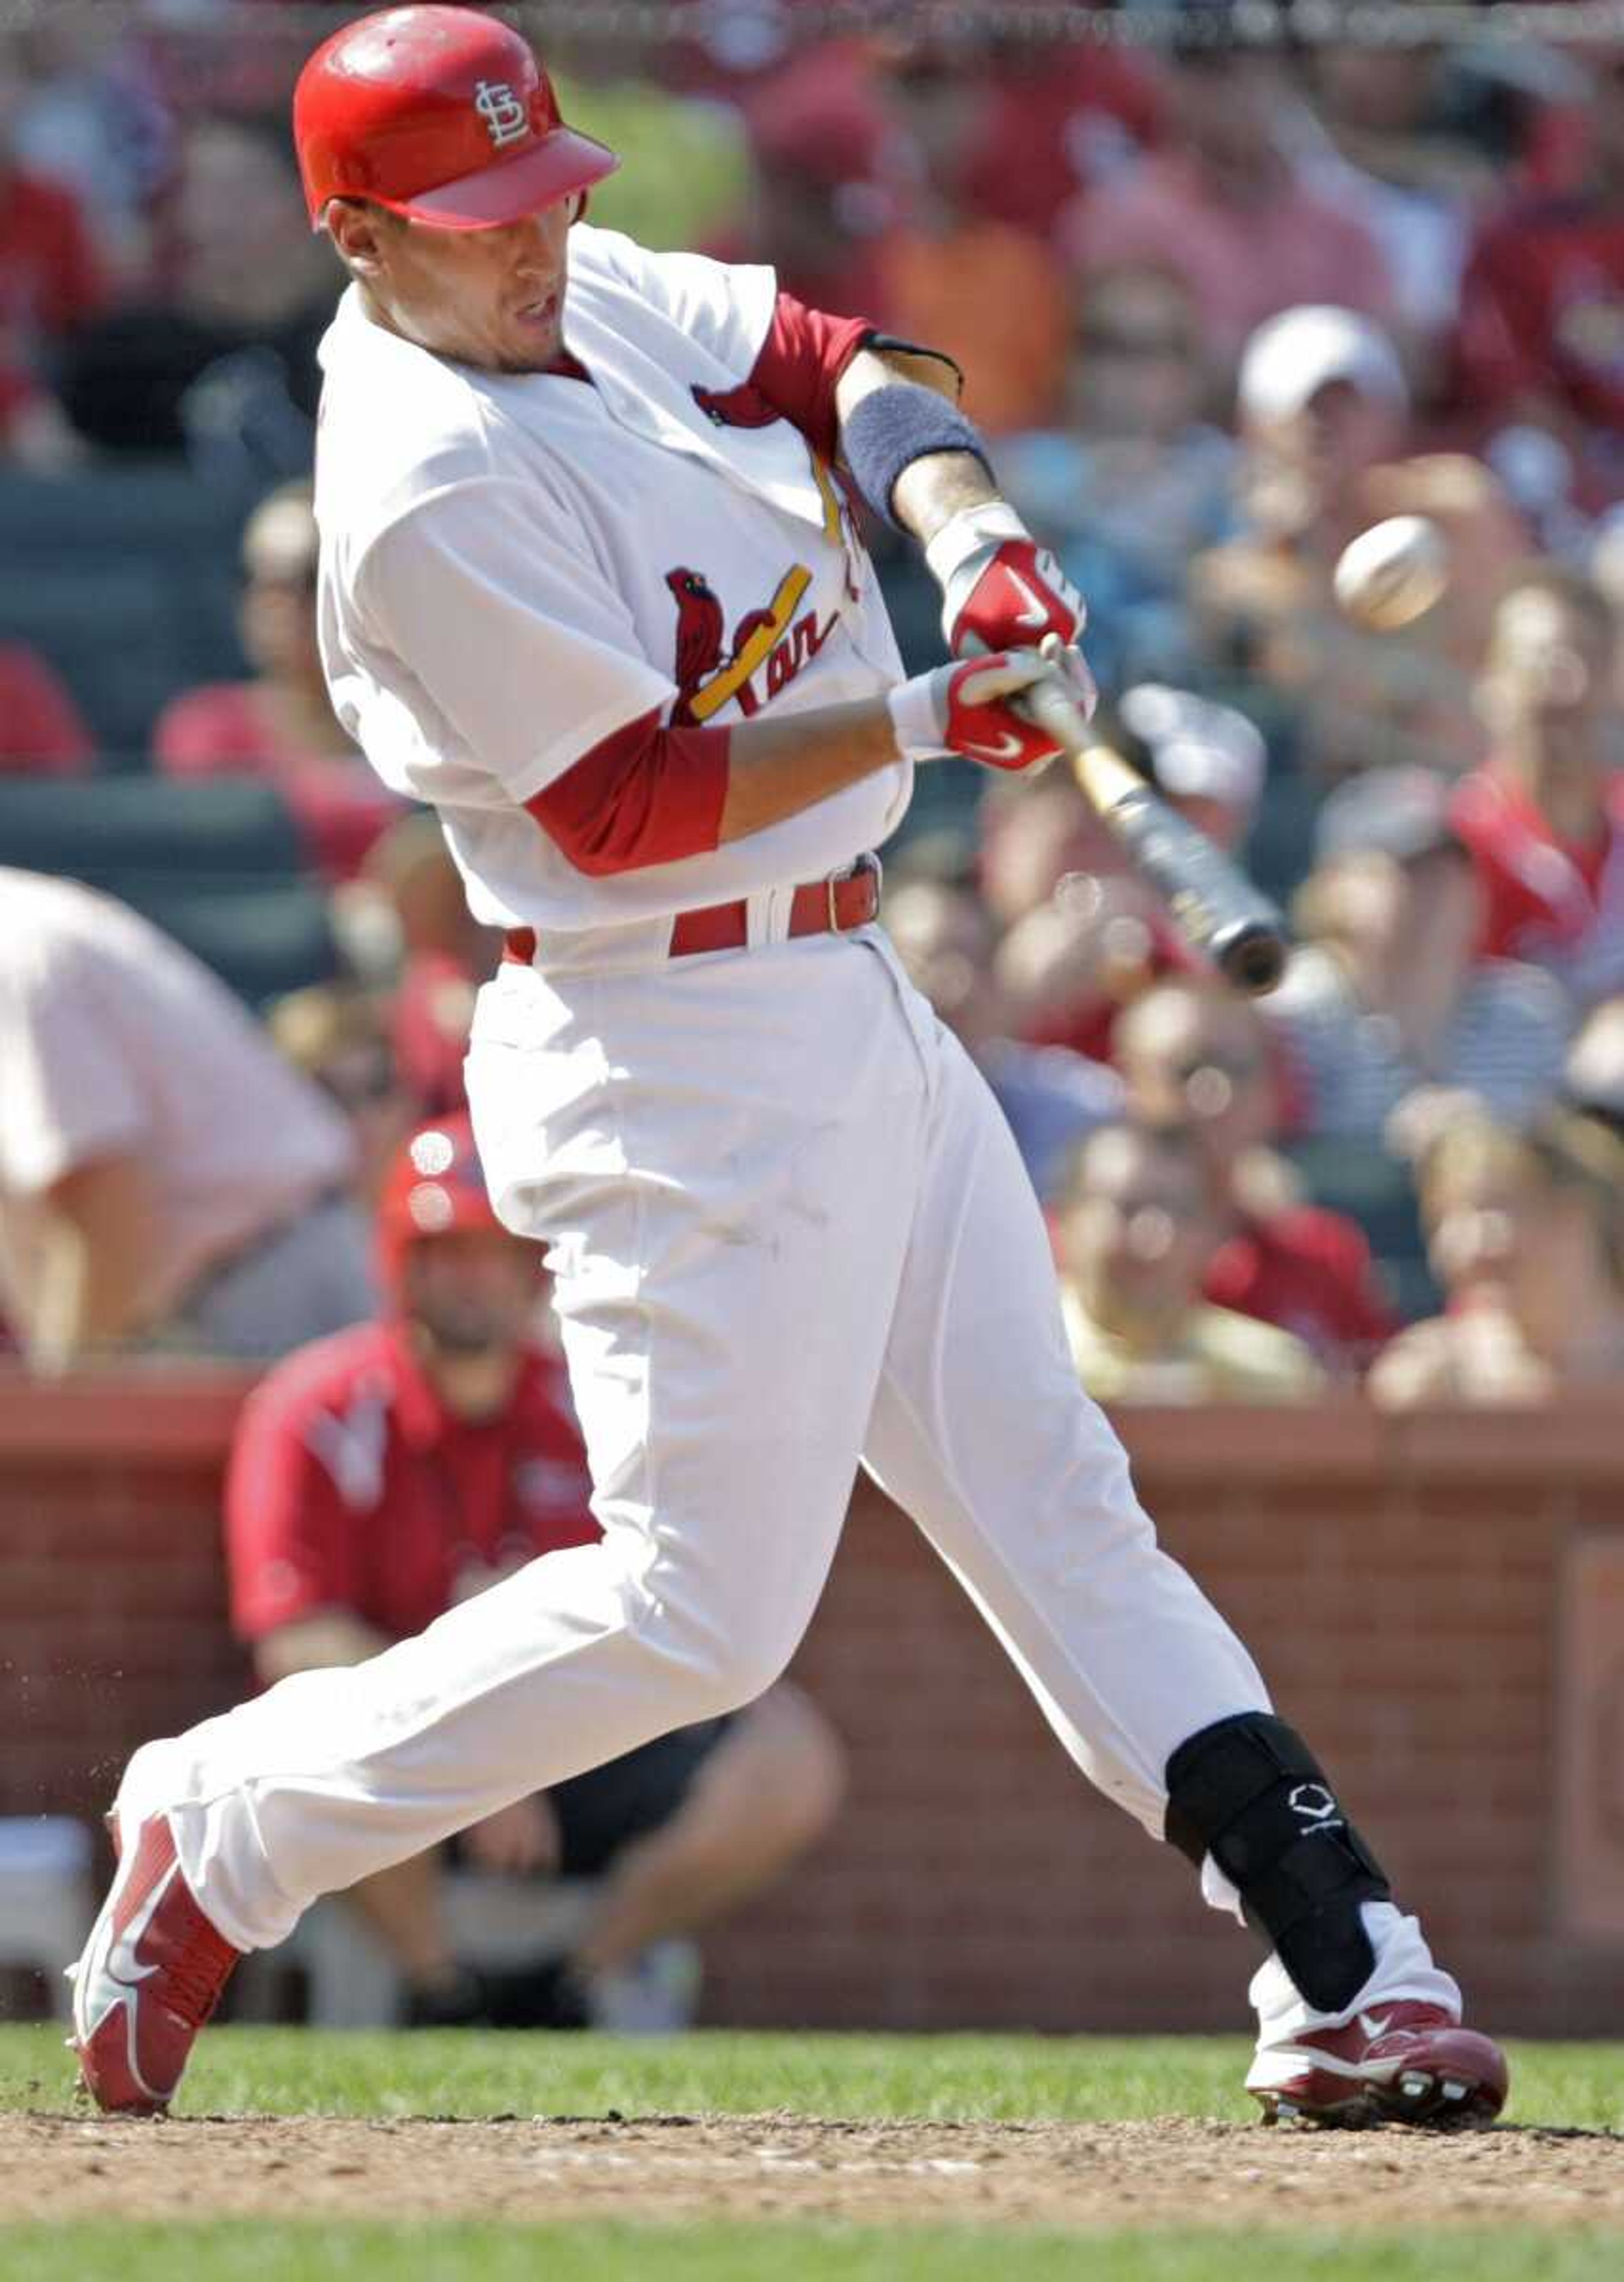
709	670
699	639
743	407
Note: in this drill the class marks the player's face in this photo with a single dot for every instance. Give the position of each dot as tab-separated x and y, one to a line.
491	298
473	1291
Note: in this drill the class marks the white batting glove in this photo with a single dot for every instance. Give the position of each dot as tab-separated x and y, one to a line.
974	709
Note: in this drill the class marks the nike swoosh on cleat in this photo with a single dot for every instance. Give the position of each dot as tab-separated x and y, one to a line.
119	1963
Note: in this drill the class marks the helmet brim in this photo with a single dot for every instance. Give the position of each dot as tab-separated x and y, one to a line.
512	187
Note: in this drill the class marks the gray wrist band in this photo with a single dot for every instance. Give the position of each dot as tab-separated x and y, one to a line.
895	425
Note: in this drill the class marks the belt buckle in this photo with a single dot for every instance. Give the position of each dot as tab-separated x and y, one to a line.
867	862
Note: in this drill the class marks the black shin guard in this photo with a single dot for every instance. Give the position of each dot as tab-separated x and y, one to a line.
1249	1792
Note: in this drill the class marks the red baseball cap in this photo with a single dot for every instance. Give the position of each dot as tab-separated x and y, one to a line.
442	114
435	1184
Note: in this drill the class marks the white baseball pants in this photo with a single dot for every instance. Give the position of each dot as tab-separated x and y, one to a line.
789	1230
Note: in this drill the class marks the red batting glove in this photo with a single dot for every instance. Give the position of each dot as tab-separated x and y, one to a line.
1001	590
971	708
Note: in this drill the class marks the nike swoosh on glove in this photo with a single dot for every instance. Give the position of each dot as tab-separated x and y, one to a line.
971	708
1001	590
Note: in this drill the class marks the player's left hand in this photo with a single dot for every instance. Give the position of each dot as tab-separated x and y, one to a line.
975	708
1001	590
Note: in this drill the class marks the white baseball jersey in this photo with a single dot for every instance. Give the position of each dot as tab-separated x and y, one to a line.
514	566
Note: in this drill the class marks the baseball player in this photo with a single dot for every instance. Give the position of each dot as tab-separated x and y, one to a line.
590	585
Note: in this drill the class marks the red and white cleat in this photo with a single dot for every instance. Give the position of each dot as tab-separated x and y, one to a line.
1398	2063
150	1976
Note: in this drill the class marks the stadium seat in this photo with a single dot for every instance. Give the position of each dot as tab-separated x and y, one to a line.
218	865
125	579
98	829
264	937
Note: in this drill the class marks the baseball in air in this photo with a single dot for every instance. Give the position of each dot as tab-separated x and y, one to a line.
1391	573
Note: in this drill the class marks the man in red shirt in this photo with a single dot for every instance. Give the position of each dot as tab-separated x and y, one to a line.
380	1478
51	281
1541	335
1544	817
1191	1053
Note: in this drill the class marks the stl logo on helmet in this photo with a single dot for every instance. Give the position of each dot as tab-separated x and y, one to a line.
505	117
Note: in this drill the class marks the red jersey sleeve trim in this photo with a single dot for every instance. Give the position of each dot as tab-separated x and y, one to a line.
799	363
642	795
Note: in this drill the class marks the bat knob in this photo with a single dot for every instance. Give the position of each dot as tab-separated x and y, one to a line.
1251	955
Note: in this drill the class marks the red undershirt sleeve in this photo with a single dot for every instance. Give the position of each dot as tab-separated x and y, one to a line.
799	362
642	795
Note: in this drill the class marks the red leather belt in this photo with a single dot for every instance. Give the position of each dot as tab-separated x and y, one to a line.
816	907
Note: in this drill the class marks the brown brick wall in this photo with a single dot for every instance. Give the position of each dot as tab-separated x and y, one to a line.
1403	1586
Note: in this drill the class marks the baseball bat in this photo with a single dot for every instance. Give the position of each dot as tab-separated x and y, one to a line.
1214	904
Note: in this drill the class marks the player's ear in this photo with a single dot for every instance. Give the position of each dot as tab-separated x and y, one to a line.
356	227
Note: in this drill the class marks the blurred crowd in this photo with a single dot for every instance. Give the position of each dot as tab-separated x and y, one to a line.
1222	308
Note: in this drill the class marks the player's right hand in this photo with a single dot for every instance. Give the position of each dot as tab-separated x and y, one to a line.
973	708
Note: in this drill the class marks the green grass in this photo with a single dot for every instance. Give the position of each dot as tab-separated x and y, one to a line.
1074	2079
784	2252
978	2078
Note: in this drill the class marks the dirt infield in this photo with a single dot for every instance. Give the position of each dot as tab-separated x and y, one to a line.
1174	2172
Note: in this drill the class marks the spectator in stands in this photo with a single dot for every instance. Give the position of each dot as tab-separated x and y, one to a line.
336	1035
1386	999
1086	931
1544	817
1324	408
219	357
441	955
1194	1054
1593	1076
1135	1234
825	192
384	1477
992	295
1220	204
1542	305
1381	137
1052	1095
1056	117
50	285
94	118
281	724
1132	481
165	1180
1209	761
43	733
1526	1233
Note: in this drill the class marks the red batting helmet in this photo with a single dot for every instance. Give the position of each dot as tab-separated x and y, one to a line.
443	114
435	1184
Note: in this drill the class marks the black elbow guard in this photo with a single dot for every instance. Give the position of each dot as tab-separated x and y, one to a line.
1249	1792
